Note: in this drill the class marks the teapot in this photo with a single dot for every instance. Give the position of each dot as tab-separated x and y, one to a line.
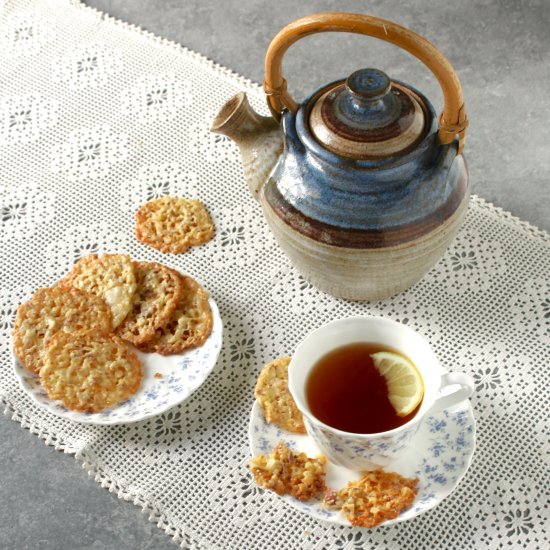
362	185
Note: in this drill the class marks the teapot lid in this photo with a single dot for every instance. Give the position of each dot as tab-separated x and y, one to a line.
368	117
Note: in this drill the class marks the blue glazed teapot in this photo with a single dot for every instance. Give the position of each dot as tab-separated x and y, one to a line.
362	185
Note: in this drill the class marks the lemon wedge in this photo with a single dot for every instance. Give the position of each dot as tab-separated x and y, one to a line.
405	386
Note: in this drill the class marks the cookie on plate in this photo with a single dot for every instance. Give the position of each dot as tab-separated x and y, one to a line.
274	397
90	371
173	224
50	310
158	292
109	276
189	325
376	497
286	472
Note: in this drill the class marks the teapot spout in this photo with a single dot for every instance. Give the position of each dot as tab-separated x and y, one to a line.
259	139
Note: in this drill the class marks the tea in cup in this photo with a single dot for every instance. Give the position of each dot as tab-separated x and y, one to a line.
347	409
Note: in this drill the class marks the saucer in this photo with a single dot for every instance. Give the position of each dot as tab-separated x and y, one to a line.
439	456
167	381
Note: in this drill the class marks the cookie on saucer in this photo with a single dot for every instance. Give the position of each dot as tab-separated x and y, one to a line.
375	498
158	292
286	472
50	310
274	397
189	325
90	371
109	276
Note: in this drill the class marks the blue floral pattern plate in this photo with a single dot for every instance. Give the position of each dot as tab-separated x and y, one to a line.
439	456
167	381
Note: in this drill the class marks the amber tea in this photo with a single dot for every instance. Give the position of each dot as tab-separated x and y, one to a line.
345	391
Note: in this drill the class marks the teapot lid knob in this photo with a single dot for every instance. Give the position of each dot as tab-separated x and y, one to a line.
368	116
368	84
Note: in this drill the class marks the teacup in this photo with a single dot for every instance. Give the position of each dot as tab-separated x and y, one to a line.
369	451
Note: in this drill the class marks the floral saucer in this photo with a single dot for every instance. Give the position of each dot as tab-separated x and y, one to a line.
167	381
439	456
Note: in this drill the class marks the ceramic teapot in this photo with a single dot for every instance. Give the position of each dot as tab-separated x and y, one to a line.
362	185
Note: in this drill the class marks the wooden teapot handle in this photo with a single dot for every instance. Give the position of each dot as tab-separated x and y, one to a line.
453	119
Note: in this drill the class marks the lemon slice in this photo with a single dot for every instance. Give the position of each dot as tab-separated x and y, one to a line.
405	386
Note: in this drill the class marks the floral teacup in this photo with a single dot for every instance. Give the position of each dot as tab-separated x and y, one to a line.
367	451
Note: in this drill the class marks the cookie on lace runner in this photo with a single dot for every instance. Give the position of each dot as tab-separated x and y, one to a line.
109	276
286	472
274	397
189	325
173	224
375	498
90	371
50	310
158	292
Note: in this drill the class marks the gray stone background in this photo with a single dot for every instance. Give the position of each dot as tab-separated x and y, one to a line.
501	51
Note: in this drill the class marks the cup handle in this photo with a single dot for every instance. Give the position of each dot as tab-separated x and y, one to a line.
462	393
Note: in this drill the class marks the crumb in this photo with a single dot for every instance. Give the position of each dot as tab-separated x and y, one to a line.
157	375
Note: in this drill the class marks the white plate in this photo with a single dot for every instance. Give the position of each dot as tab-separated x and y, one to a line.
439	456
178	376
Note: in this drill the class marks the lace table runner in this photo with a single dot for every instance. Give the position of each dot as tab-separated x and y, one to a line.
97	117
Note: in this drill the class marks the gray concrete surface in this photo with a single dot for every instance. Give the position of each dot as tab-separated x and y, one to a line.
501	50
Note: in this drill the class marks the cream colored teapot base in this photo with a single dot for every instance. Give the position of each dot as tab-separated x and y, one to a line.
364	274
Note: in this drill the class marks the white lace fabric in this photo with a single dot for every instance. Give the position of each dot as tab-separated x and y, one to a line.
97	117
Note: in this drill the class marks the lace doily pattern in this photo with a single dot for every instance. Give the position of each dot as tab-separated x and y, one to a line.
87	65
96	117
23	117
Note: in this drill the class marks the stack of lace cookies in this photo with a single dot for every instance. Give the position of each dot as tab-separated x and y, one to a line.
77	335
376	497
